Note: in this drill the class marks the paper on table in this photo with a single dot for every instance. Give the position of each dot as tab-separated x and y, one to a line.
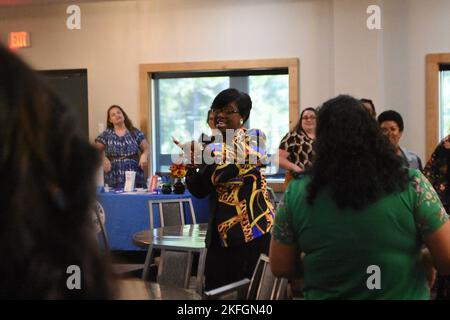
130	176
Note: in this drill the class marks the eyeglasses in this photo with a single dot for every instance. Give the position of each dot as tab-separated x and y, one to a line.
309	118
227	112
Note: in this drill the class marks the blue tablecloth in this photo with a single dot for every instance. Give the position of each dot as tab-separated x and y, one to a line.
127	214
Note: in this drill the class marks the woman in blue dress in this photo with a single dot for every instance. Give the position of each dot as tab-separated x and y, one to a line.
120	145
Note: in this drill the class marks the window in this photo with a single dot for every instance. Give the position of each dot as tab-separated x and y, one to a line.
444	101
437	99
179	95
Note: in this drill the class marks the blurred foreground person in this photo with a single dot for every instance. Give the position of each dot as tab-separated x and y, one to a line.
47	186
361	217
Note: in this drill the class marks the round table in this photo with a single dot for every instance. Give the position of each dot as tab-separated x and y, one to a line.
184	236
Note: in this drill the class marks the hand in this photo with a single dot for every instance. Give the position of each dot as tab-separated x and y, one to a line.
143	161
447	142
106	165
192	153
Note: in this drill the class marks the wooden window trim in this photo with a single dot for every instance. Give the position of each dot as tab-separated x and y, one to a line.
145	83
432	99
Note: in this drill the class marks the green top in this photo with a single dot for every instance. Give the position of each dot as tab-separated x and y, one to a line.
340	244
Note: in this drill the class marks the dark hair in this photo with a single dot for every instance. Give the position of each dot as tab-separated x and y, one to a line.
127	120
391	115
372	106
243	101
48	174
298	127
353	157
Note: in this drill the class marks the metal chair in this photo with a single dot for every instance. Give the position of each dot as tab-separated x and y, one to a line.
263	285
171	212
99	219
99	225
175	268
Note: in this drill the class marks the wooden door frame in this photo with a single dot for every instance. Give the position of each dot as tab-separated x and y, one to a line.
432	99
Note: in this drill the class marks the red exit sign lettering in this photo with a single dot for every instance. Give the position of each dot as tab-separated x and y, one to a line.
19	39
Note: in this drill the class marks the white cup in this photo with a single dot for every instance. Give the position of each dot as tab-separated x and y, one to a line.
130	176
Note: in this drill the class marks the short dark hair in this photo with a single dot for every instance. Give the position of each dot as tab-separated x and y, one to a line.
243	101
370	102
353	158
391	115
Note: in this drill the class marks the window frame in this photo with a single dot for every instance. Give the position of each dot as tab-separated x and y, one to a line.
433	62
147	94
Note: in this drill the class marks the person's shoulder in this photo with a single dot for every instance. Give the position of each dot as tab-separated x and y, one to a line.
409	154
105	133
298	184
412	172
416	177
136	131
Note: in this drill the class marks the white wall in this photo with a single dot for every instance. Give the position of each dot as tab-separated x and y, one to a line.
116	37
337	53
412	29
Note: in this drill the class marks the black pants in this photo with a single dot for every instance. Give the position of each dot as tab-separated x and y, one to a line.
226	265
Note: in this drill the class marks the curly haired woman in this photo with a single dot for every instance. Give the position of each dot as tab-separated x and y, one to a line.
361	217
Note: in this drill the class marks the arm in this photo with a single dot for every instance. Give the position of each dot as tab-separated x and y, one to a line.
285	163
438	243
143	160
106	163
432	222
197	181
284	259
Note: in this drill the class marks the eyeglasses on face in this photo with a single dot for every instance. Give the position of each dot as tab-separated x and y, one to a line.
225	111
309	118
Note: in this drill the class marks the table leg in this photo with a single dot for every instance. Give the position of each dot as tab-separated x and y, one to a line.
148	262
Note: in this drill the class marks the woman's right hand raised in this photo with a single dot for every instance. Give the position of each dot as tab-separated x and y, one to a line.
106	165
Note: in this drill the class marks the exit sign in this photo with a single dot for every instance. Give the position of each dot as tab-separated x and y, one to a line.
19	39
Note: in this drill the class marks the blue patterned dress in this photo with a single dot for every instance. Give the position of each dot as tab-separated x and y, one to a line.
123	153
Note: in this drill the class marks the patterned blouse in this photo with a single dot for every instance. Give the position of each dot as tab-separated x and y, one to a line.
123	152
242	210
300	148
436	170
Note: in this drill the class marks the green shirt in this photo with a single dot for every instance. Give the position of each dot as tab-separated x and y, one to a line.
341	244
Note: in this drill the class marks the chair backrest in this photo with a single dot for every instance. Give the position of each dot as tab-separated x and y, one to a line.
264	285
175	268
99	219
171	212
176	265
